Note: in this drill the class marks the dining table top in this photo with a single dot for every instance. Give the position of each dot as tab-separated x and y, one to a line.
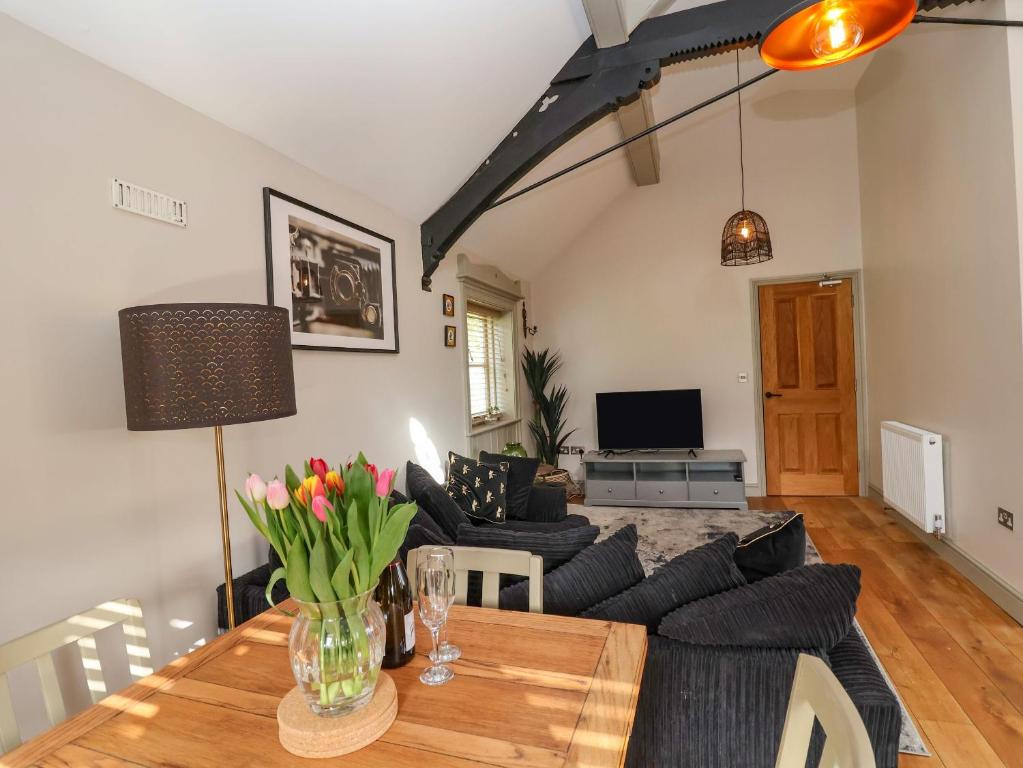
530	690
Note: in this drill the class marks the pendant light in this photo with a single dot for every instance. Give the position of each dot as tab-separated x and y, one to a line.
821	33
746	239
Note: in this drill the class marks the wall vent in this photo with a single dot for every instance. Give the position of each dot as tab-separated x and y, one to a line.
146	202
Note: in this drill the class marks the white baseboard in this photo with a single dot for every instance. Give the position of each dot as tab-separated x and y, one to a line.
1007	597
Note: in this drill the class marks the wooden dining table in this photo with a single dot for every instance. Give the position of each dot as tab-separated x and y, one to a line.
530	690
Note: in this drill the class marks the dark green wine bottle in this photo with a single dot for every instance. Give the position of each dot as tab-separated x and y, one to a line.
394	594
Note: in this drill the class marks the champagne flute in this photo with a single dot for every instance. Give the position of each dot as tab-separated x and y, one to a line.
435	583
446	651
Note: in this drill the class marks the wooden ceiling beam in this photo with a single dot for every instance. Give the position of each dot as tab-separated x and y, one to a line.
612	21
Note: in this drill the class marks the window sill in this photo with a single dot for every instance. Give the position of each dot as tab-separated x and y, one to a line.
484	428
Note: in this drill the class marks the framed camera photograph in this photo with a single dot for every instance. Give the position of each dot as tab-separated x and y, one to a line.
449	335
449	305
337	279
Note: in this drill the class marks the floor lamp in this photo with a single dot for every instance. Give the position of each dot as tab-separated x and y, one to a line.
207	365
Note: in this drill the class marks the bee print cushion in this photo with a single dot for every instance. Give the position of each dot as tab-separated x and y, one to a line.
481	490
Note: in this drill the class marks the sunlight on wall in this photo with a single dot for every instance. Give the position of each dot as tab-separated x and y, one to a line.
426	452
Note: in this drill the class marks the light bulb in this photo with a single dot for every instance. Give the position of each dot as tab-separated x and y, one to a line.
744	232
837	32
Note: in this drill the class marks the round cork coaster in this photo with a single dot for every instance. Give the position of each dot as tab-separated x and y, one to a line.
307	735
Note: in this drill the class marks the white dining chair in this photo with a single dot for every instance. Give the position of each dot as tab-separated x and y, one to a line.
492	563
817	693
81	629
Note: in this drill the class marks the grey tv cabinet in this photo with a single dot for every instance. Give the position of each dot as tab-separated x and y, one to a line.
713	479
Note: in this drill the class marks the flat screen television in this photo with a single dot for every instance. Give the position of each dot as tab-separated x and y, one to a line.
659	420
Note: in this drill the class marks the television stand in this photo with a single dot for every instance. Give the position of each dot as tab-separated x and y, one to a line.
683	479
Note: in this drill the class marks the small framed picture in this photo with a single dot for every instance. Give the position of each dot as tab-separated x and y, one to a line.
449	335
449	305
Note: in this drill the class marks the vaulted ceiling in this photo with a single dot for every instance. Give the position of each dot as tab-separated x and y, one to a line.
398	100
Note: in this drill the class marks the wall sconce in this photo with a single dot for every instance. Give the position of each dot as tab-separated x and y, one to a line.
527	330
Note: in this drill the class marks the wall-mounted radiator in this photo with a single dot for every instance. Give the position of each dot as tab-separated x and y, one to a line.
914	474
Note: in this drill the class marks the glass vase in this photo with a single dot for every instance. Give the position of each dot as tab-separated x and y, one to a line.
336	650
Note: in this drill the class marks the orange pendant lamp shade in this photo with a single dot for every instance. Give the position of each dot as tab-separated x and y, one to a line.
822	33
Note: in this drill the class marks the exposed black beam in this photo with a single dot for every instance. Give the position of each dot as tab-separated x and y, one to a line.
636	137
594	83
921	19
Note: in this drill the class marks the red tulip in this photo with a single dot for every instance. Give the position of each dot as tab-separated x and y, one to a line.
372	469
319	468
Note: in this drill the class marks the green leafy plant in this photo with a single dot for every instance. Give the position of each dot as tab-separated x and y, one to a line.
548	424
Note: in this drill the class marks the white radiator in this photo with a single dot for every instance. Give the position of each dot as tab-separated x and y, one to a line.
914	474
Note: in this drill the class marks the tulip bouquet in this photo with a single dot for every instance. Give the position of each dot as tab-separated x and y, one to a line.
335	531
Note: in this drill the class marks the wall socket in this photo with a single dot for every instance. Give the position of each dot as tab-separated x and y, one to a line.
1005	518
572	450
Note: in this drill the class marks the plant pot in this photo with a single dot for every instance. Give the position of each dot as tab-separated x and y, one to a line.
336	650
515	449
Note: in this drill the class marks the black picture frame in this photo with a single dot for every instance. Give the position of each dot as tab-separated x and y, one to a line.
391	346
450	336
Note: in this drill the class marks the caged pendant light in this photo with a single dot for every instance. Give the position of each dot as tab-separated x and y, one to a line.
746	238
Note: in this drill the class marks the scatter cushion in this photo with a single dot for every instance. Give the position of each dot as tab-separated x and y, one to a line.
521	473
771	550
418	536
479	489
431	497
596	573
810	608
555	547
701	572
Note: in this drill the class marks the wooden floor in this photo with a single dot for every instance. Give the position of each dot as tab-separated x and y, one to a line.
955	656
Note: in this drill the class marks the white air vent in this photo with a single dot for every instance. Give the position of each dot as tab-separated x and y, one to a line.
146	202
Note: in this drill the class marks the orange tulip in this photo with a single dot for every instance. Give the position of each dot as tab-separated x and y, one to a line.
334	482
311	488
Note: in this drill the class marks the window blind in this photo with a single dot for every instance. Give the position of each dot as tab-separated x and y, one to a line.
488	338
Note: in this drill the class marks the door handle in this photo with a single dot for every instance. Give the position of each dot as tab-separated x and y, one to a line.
769	395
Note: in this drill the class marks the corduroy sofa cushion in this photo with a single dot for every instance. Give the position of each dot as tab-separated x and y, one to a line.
698	573
568	522
555	547
418	536
810	607
431	496
593	575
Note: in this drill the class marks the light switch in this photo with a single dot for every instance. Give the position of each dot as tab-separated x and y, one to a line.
743	378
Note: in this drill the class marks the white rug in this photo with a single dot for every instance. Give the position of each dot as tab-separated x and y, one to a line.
667	533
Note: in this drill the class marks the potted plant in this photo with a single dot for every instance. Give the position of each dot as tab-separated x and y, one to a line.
335	531
548	424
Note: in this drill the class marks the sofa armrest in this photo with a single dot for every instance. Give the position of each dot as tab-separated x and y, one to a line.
547	504
249	596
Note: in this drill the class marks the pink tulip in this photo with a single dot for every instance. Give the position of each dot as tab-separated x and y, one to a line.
320	507
255	488
277	495
384	483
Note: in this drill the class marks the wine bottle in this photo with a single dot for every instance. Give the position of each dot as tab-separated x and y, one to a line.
394	594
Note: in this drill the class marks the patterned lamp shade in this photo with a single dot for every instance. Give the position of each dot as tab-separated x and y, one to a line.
205	365
745	240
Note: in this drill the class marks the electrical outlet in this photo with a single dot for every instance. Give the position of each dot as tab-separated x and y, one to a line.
564	450
1005	518
578	450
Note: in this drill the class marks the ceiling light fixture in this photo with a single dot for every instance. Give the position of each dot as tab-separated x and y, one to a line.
821	33
746	238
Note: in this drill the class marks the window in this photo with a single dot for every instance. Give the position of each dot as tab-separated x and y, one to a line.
488	343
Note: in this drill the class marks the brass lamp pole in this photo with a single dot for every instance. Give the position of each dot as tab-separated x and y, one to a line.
207	365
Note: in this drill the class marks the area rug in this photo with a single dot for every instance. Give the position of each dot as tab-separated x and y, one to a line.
667	533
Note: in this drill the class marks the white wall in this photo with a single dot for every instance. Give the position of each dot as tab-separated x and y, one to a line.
92	511
942	268
640	300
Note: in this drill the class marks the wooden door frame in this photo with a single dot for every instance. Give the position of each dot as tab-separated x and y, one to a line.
856	277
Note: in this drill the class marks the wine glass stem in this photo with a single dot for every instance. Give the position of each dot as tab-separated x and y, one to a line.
435	636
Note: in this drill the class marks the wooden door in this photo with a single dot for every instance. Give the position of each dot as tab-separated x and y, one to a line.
809	381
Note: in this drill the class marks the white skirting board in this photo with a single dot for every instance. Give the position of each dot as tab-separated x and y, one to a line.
1001	592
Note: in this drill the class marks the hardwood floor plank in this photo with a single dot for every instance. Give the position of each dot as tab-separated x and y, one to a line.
960	746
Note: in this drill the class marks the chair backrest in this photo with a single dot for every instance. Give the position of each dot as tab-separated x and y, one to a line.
816	693
492	563
80	628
